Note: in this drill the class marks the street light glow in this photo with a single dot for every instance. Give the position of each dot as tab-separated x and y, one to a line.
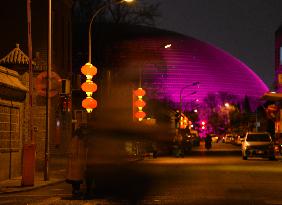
168	46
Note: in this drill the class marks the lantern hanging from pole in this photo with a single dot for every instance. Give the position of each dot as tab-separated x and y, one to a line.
89	104
89	87
140	92
140	115
140	103
89	70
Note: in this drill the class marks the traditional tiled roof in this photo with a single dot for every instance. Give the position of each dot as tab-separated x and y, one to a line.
16	56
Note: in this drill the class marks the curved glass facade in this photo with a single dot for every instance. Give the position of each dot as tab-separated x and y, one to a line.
167	71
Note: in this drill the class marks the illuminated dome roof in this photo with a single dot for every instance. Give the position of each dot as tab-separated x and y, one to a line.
165	71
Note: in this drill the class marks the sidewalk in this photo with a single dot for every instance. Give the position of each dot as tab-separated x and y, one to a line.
57	174
14	185
57	170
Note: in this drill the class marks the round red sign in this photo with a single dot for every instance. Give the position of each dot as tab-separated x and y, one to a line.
41	84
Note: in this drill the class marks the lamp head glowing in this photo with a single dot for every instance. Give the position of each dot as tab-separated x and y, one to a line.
168	46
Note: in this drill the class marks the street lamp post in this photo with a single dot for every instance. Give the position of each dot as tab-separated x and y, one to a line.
89	103
99	10
181	91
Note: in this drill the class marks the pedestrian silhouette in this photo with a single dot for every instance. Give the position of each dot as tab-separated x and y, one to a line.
76	166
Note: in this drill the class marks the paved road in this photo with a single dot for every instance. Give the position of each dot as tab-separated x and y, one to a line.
197	179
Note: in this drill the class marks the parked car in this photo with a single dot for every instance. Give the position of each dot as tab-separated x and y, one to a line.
258	144
233	139
227	138
195	137
214	137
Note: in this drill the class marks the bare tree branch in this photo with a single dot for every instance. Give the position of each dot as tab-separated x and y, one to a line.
141	12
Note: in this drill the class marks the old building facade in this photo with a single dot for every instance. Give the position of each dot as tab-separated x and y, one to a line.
14	102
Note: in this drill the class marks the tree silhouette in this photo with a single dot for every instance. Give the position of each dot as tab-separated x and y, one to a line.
141	12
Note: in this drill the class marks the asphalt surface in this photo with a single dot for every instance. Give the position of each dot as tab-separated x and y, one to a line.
195	179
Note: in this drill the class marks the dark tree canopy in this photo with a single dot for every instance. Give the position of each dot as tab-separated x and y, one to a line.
139	12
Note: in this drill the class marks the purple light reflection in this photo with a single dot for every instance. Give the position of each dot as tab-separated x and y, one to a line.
189	60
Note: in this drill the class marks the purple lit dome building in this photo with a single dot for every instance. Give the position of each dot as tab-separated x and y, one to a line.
164	72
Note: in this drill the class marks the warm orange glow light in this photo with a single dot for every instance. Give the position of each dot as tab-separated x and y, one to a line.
89	87
89	70
140	92
140	103
89	103
140	115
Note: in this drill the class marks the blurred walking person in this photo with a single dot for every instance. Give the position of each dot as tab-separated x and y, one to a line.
208	141
77	154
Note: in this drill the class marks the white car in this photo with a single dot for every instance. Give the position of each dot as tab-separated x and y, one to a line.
258	144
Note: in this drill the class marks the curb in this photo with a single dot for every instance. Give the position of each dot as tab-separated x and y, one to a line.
28	188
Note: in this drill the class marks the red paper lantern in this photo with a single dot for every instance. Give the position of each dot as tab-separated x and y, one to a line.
140	92
89	86
89	70
140	103
89	103
140	114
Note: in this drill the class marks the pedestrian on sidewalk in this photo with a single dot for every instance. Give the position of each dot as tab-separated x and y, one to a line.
77	155
208	141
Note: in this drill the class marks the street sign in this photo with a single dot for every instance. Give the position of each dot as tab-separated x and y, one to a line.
41	84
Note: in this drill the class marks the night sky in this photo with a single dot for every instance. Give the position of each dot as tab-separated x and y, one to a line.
244	28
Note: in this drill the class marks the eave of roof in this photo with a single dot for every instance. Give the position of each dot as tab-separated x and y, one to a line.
10	79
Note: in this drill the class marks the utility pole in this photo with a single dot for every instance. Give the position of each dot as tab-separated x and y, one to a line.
28	168
48	106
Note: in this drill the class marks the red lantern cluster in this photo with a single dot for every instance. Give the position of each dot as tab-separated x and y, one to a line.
140	104
89	87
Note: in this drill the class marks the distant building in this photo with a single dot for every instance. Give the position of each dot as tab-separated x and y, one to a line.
137	55
163	63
